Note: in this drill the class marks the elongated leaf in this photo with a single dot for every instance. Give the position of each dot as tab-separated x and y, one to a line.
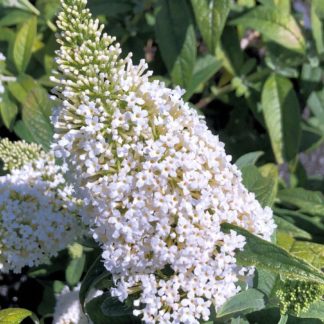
96	273
308	201
13	315
290	229
317	19
14	17
21	4
277	25
22	132
74	270
9	111
231	52
281	113
311	252
35	115
204	69
211	16
243	303
22	48
265	188
270	257
177	40
22	86
316	104
248	159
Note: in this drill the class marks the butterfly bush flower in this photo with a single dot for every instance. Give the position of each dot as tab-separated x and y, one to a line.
158	184
38	213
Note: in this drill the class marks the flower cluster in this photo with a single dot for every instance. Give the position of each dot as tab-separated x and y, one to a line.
158	184
16	154
297	296
38	213
68	308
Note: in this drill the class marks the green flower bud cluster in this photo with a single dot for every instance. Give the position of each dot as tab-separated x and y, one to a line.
296	297
16	154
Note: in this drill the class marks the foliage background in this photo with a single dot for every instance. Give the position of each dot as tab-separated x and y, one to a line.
253	68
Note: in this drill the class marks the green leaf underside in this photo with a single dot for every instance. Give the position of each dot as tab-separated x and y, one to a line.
267	256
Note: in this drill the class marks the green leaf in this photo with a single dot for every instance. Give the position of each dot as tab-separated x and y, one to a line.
74	270
317	19
290	229
311	252
13	315
282	60
315	310
22	48
211	16
311	202
280	108
243	303
14	17
22	132
266	282
316	104
277	25
231	53
267	256
96	274
22	86
35	115
9	111
21	4
177	40
204	69
310	77
264	187
51	288
248	159
106	309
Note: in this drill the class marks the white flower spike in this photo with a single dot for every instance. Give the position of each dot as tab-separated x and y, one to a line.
158	182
